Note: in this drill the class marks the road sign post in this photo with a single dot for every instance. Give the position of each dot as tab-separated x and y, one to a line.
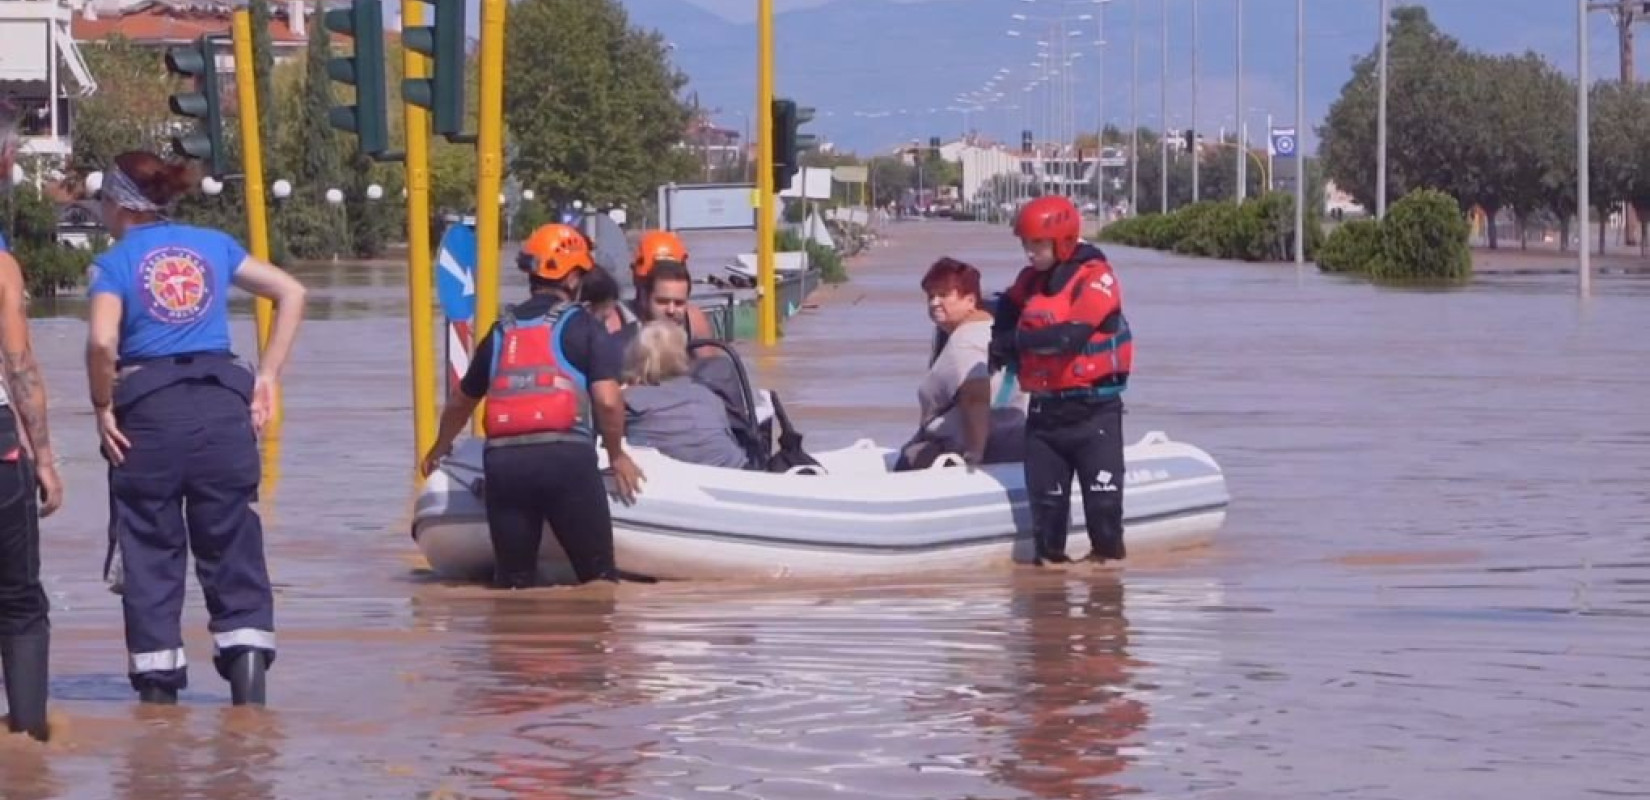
455	287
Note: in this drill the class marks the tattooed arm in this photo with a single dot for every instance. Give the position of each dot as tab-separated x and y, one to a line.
23	380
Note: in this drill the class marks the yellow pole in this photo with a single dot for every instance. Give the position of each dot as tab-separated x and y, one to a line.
252	165
490	178
420	271
767	304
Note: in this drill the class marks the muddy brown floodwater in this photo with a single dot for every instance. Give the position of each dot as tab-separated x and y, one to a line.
1434	581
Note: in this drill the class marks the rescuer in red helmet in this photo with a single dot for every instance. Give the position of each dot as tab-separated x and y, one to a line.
1061	327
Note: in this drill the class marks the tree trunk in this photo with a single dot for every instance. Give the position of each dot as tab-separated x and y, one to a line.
1523	232
1564	234
1603	231
1489	226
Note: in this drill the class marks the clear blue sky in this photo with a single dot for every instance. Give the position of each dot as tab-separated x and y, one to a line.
862	63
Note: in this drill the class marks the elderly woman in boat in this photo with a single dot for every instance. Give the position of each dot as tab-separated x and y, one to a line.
666	409
963	409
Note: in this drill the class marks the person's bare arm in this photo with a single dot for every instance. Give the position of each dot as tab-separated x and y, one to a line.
23	379
102	345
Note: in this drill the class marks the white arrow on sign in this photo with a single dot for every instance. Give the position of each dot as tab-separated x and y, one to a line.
451	267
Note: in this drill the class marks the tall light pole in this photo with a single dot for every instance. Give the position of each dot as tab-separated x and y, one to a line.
1300	134
1134	115
1100	104
1380	124
1584	267
1163	82
1193	143
1243	120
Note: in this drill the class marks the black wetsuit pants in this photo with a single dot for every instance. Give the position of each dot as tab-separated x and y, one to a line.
23	605
558	483
1082	438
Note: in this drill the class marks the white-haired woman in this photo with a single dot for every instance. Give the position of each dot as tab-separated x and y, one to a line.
666	410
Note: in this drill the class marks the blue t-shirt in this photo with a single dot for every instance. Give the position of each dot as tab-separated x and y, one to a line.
3	247
173	281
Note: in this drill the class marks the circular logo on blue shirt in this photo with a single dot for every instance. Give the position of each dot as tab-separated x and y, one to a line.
176	284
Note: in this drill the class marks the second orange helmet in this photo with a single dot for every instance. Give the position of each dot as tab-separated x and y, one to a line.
657	246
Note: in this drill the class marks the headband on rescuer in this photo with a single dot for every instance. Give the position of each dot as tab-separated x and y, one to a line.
657	246
554	252
1052	218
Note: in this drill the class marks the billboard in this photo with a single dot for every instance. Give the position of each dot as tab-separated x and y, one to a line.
707	207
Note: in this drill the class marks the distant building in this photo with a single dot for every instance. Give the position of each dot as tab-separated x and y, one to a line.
165	23
41	70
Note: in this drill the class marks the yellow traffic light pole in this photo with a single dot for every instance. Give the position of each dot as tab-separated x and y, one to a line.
252	165
490	175
252	156
767	304
420	270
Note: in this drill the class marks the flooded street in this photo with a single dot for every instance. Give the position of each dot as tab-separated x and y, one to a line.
1433	582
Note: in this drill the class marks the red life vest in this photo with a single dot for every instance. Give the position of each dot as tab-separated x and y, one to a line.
1101	369
536	396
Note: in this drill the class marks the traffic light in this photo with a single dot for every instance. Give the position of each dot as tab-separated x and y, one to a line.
443	92
934	145
368	119
1191	140
1025	142
788	143
199	61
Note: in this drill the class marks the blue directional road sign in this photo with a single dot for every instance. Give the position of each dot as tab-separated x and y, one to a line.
1283	142
455	272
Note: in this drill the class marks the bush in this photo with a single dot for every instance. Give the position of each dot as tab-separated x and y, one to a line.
828	261
49	269
1353	248
1424	237
1262	229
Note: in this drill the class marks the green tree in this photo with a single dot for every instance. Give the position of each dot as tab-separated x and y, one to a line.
592	103
129	110
1615	150
1431	115
313	229
263	62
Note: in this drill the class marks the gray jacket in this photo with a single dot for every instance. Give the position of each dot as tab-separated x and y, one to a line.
683	420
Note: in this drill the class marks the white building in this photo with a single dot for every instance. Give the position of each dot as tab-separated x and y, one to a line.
40	70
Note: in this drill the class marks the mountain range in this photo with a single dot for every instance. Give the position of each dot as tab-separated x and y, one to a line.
884	72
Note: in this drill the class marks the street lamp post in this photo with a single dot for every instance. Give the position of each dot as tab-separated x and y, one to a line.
1163	85
1134	115
1380	125
1584	268
1193	143
1300	134
1243	122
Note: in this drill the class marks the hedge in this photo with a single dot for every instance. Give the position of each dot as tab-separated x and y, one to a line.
1262	229
1423	238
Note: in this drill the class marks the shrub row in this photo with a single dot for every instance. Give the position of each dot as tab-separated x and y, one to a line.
1423	238
1261	229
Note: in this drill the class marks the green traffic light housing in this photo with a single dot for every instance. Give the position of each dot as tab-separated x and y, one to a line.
368	118
443	92
198	61
788	144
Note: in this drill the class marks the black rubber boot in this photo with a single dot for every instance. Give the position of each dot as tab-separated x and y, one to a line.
158	696
246	679
27	668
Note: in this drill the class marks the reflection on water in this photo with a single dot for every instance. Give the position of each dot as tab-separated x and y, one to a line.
1432	583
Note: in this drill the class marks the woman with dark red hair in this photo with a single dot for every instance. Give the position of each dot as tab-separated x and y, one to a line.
964	410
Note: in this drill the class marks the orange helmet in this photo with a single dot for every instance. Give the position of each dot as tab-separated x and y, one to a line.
554	252
658	246
1054	218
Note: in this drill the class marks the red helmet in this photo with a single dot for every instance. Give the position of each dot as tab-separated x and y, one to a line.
1054	218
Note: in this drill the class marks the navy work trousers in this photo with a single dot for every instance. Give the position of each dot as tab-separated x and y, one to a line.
23	606
188	484
1082	438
